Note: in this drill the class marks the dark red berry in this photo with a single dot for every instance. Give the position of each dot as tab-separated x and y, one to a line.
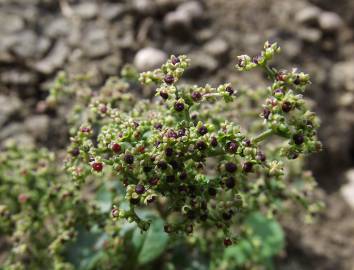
227	242
261	156
129	158
201	145
230	182
183	176
153	181
278	91
75	152
115	212
22	198
214	142
286	106
196	96
169	151
169	79
266	113
158	126
227	215
164	95
231	147
171	134
297	80
103	108
230	167
280	76
189	228
175	60
162	165
179	106
116	148
85	129
247	167
203	130
97	166
230	90
298	139
181	132
140	189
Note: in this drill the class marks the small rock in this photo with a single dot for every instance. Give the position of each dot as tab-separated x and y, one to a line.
193	9
310	34
57	27
54	60
177	21
342	76
201	62
217	47
96	43
38	126
145	7
11	23
9	106
112	11
330	21
149	58
86	10
292	47
308	15
347	190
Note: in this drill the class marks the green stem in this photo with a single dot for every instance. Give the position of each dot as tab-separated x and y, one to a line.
264	135
270	72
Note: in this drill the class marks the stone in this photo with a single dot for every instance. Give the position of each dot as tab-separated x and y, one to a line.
112	11
9	106
311	35
201	62
342	76
330	21
347	190
55	59
216	47
193	9
177	20
38	126
57	27
149	58
145	7
96	43
308	15
10	23
86	10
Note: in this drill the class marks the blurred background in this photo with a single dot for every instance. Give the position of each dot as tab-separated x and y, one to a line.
40	37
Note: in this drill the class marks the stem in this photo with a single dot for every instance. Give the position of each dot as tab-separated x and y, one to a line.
264	135
270	72
211	95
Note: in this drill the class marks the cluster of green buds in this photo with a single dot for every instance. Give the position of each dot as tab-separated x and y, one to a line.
180	154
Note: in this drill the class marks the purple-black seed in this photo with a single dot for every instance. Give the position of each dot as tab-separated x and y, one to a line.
230	90
232	147
247	167
203	130
169	79
196	96
298	139
201	145
179	106
129	159
140	189
266	113
230	167
286	106
230	182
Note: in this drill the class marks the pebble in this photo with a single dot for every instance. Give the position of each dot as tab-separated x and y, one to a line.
9	106
330	21
96	43
55	59
311	35
86	10
342	76
308	15
216	47
38	126
193	9
347	190
149	58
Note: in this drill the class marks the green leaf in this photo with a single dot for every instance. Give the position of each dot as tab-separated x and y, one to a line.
150	244
266	241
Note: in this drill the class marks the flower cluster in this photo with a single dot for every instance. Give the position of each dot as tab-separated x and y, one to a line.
182	155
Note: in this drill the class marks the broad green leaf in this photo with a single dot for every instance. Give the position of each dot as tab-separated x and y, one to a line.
266	241
150	244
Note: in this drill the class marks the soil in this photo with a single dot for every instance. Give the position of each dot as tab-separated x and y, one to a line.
41	37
